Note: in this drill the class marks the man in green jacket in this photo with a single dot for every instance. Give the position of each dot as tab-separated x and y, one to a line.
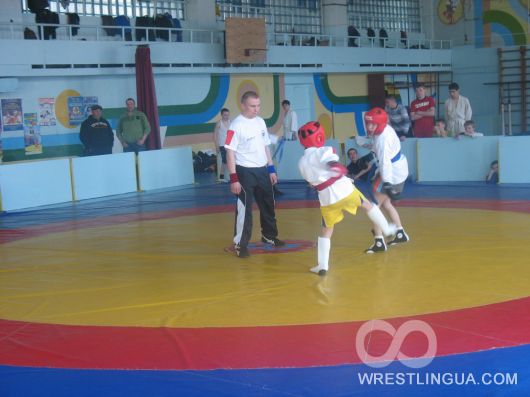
133	128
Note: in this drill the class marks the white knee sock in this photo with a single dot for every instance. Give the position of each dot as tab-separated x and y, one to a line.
324	246
377	217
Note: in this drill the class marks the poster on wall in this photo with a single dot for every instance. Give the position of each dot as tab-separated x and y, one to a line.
12	114
76	110
32	138
79	108
47	111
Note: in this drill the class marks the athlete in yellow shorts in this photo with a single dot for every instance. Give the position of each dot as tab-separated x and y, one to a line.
320	167
334	213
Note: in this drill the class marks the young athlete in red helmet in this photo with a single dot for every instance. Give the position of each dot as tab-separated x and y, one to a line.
321	168
393	172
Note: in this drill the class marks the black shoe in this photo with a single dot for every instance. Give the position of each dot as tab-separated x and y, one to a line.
378	246
241	252
401	237
278	192
273	241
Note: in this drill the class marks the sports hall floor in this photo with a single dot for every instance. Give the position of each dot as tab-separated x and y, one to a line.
136	295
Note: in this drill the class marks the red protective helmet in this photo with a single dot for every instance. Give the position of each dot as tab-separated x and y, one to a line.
312	135
378	117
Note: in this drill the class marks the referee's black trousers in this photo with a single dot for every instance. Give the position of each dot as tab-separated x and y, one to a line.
255	184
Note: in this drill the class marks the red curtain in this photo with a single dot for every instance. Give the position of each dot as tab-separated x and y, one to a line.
146	94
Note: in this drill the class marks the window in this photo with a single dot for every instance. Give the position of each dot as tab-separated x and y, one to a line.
131	8
387	14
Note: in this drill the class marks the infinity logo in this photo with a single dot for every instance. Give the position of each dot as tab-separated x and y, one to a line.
398	337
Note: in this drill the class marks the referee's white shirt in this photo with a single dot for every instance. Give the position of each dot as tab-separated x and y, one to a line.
248	138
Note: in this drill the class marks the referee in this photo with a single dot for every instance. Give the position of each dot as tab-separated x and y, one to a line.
252	174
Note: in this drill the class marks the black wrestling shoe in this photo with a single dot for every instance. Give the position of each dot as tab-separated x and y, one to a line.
241	252
401	237
378	246
273	241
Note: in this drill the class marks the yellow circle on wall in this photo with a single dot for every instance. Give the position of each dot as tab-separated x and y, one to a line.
450	11
61	107
244	86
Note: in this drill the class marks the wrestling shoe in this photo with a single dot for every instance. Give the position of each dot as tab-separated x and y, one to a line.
241	252
273	241
401	237
378	246
321	271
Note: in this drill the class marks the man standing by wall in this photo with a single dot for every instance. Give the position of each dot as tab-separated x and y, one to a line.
133	128
398	117
422	113
290	122
219	137
96	133
252	174
457	111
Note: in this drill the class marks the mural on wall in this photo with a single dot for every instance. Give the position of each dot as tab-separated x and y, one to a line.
338	101
507	19
450	11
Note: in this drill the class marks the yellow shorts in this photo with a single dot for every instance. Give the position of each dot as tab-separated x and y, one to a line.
332	214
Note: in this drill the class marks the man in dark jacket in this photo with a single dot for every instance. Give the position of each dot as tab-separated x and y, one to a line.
96	133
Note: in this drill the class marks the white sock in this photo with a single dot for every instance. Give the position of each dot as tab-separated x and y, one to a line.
324	246
377	217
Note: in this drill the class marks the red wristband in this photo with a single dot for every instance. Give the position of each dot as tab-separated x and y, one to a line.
234	178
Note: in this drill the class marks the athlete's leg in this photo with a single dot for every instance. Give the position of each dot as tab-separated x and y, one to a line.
323	248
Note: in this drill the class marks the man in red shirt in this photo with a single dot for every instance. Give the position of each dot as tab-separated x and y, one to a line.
422	113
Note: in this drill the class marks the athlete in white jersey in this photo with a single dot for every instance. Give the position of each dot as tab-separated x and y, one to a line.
321	168
393	172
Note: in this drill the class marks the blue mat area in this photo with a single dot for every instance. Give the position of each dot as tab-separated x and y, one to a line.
499	372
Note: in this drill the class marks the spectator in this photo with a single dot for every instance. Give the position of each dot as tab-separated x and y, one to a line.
96	133
252	174
353	36
422	113
219	137
398	117
469	130
457	110
493	174
439	129
290	122
133	128
361	168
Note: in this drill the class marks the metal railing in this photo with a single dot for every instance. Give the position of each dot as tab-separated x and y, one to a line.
323	40
174	35
46	31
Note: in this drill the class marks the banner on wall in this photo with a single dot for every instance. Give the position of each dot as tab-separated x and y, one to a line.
79	108
32	138
12	114
47	111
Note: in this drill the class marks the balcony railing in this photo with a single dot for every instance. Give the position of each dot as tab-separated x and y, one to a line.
173	35
48	31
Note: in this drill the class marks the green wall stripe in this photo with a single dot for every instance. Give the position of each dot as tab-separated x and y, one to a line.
510	22
47	152
204	105
344	100
177	130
